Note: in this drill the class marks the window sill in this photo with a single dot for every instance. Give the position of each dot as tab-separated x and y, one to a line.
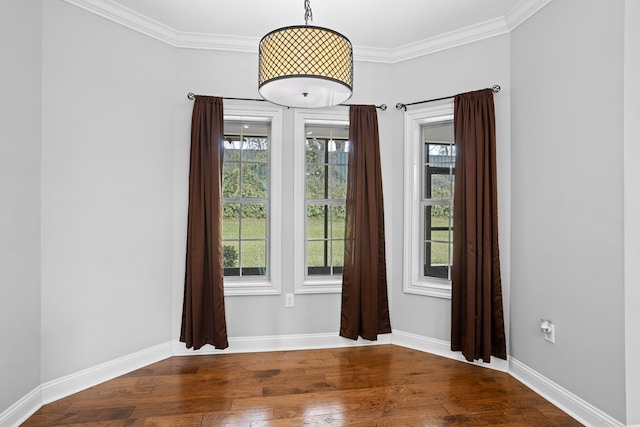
431	288
323	285
233	287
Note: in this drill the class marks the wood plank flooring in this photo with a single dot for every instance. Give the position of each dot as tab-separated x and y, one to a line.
381	385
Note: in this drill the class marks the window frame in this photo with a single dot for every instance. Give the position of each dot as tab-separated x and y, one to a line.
271	284
414	281
304	284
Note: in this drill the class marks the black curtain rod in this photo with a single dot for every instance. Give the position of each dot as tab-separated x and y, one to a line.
401	106
192	96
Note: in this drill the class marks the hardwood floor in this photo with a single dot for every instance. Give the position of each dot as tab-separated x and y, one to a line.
381	385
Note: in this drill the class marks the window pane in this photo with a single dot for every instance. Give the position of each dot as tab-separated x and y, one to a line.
338	217
230	221
254	180
231	148
254	149
317	215
338	181
317	253
437	254
230	254
316	182
439	154
231	179
254	221
436	223
315	153
338	152
337	256
440	183
253	258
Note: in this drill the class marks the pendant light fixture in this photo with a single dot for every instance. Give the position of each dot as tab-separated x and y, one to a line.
305	66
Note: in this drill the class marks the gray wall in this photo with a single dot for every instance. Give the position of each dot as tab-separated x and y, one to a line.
107	172
632	208
567	194
20	44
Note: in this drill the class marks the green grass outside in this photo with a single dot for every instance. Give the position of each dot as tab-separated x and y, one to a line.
254	252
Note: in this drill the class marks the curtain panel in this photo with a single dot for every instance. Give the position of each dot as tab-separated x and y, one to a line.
477	320
365	306
203	312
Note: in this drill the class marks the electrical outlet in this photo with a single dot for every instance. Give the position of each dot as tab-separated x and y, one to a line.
550	334
288	300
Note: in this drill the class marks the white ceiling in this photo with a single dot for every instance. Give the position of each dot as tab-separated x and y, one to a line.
380	30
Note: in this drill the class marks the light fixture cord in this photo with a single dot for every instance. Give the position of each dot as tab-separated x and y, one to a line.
308	15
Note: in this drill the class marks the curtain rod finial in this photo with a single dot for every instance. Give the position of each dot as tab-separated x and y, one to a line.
401	106
495	88
191	96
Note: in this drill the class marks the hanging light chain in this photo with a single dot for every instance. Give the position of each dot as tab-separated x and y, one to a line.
308	15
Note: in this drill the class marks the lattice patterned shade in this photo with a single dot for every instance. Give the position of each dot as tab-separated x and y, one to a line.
305	67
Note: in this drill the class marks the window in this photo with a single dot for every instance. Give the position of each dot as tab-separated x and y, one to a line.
429	189
250	201
326	158
321	165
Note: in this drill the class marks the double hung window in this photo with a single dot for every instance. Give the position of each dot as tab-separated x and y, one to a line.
321	159
429	189
325	193
251	201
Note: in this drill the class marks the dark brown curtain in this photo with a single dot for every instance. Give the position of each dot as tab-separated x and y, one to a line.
365	306
477	322
203	315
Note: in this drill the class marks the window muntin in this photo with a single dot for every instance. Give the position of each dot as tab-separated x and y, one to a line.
245	199
438	159
326	158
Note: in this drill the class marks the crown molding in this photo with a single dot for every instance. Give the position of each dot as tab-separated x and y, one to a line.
523	11
142	24
217	42
128	18
471	34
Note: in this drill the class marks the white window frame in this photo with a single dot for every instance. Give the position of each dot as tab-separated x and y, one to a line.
303	283
270	285
414	282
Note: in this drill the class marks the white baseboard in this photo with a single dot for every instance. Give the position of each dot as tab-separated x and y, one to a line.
280	343
81	380
17	413
442	348
573	405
